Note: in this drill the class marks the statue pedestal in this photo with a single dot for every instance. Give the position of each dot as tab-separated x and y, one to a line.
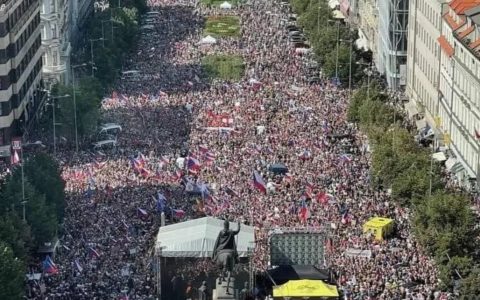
220	292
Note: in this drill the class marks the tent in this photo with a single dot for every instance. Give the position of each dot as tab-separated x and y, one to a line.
225	5
380	227
282	274
305	288
208	40
278	168
196	238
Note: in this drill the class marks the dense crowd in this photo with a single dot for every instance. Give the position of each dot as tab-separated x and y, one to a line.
232	129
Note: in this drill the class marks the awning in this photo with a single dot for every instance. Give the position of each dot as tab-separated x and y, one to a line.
453	165
439	156
361	43
421	124
338	15
333	3
305	288
411	109
5	151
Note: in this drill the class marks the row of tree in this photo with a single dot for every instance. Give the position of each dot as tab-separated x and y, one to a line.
331	40
43	192
118	26
443	221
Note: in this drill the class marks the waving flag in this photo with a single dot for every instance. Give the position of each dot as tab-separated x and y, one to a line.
92	252
193	165
142	212
205	192
15	158
258	182
203	148
178	213
305	155
78	266
49	266
304	212
345	158
209	156
161	202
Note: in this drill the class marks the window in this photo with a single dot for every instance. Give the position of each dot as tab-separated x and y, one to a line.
55	57
53	27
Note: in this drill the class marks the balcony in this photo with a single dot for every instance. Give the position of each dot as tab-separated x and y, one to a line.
54	70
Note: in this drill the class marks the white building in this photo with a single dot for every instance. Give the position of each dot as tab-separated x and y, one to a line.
443	77
55	20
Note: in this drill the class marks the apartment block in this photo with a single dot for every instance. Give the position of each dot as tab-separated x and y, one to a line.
444	78
20	68
55	31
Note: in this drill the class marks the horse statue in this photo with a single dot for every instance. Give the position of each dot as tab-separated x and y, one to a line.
225	253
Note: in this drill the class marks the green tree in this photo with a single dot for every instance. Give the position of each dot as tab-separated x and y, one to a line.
40	216
16	234
12	273
330	64
445	225
88	99
44	174
470	285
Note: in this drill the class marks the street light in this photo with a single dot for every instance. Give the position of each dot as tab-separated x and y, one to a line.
54	123
368	71
349	68
24	202
75	104
338	42
91	52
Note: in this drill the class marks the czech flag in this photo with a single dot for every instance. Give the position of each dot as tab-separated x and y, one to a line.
304	212
49	266
259	183
193	165
305	155
178	213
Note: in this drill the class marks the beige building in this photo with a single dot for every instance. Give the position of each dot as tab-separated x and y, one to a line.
20	68
443	78
55	20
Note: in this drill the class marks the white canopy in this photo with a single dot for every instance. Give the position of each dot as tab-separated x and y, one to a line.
208	40
196	238
225	5
333	3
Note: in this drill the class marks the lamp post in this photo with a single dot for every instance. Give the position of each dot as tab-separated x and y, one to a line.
21	147
75	104
54	122
91	52
349	68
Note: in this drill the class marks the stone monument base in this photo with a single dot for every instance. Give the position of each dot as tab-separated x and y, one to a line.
220	292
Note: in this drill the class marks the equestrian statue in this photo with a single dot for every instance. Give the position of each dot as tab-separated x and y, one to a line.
225	252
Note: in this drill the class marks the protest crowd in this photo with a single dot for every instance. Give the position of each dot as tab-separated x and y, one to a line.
180	130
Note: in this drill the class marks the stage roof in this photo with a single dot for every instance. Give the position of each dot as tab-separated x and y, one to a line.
196	238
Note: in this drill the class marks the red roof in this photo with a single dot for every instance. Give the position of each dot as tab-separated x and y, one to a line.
451	22
474	44
466	32
445	45
460	6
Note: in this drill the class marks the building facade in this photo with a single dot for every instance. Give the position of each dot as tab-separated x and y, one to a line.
449	92
423	60
367	21
20	68
80	11
392	41
55	20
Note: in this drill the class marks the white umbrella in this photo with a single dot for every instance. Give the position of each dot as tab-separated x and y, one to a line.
225	5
